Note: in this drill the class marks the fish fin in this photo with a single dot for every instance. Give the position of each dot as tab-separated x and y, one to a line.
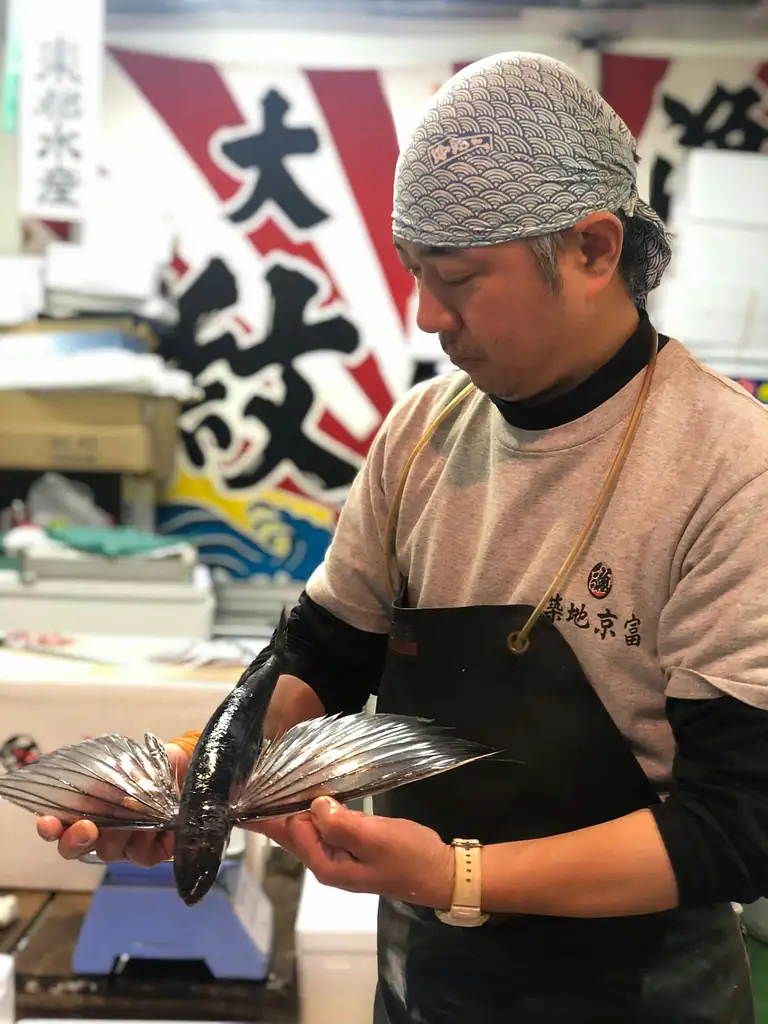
111	780
348	757
281	637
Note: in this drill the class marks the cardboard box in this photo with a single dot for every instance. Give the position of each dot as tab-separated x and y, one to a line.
50	702
82	430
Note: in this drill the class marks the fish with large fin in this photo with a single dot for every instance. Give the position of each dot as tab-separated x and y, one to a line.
235	776
225	754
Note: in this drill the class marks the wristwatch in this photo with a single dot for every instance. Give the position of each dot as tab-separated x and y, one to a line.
465	909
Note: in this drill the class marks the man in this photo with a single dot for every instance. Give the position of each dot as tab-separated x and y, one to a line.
574	577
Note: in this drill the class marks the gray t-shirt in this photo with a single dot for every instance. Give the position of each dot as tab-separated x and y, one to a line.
668	596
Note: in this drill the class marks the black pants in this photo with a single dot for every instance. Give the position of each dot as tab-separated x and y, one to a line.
699	972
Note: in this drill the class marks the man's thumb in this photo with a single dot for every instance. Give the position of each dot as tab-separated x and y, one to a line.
337	824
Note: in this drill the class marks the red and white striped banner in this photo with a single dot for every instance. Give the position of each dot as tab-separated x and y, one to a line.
296	314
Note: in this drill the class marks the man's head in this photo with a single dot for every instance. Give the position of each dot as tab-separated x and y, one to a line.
516	208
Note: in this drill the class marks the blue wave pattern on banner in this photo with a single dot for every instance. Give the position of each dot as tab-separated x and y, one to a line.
221	546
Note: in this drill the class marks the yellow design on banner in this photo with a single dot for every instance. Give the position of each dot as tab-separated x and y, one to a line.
266	531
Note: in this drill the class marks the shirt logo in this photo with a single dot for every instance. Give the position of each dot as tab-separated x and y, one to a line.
600	581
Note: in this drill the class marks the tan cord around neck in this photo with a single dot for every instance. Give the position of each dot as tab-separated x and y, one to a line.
390	531
520	641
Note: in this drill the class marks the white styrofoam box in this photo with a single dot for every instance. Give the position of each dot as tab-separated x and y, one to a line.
722	186
715	312
707	253
255	854
7	990
93	270
51	702
723	324
335	954
22	297
109	607
731	366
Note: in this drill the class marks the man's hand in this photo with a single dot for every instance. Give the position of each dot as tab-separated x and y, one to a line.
144	849
389	857
292	702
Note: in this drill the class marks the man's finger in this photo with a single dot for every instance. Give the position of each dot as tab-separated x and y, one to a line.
306	839
166	844
113	844
331	865
144	850
50	829
338	826
276	830
80	838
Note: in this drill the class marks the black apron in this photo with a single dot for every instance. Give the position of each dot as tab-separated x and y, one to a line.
575	770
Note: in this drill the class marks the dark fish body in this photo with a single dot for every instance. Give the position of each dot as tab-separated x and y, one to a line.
221	763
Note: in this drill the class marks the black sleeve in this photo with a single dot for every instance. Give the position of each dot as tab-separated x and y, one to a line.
715	822
343	665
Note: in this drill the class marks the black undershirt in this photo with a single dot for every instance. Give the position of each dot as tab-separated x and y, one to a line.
632	357
715	822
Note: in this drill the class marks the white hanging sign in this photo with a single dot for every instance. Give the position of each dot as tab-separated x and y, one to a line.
62	61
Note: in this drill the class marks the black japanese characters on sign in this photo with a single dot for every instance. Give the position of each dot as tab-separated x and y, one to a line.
59	114
290	336
59	62
730	119
263	155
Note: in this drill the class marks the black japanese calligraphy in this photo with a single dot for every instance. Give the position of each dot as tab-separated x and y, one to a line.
289	337
263	154
632	636
578	615
58	144
60	105
58	186
555	609
59	61
728	120
60	108
607	620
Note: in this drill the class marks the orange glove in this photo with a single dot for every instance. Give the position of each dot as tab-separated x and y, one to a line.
188	741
